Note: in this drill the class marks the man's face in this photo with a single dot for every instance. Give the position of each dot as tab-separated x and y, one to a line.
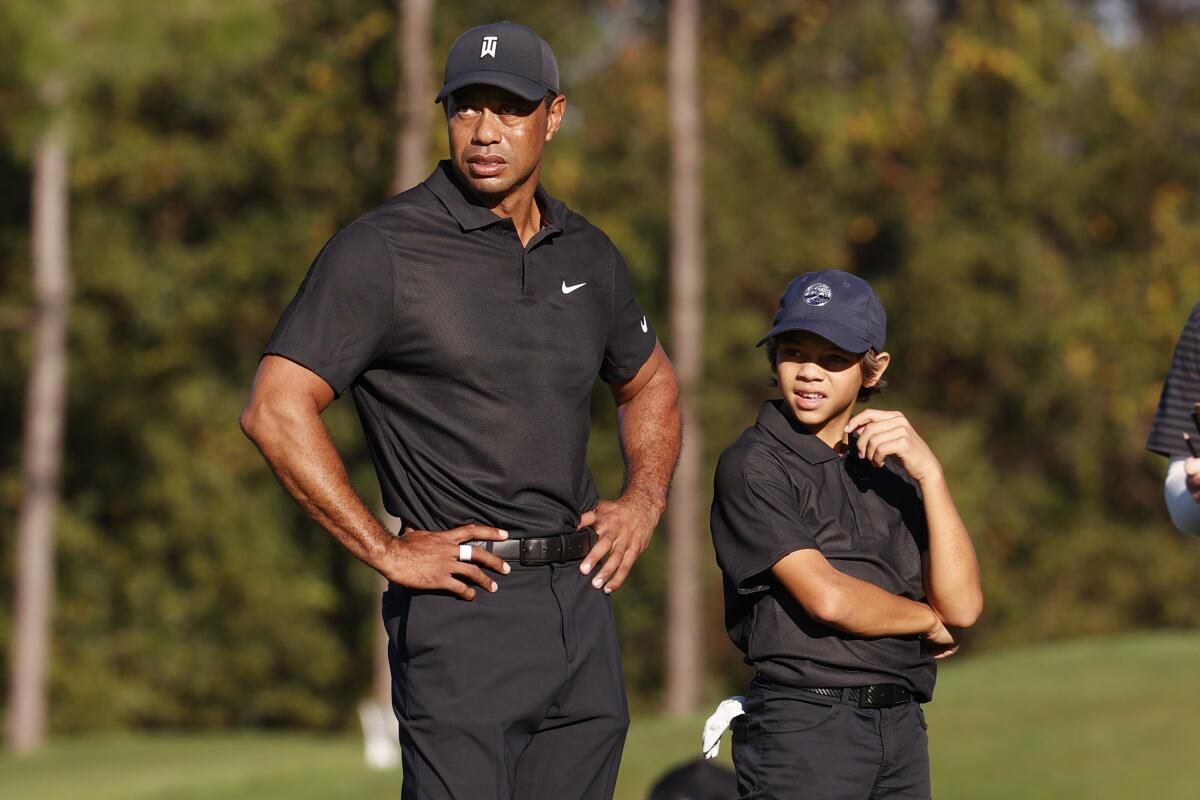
497	138
819	381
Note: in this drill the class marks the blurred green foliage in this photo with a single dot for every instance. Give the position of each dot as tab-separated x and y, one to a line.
1019	187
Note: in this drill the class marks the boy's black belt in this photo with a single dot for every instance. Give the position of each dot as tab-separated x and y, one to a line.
534	551
877	695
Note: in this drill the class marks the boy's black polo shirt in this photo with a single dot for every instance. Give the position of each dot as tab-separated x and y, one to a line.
780	489
471	359
1180	391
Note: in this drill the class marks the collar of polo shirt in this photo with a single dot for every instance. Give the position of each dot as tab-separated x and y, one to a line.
471	214
780	424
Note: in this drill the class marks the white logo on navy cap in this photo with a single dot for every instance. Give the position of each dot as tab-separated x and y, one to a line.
818	294
489	46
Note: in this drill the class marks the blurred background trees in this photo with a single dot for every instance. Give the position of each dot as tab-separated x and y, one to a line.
684	609
1018	180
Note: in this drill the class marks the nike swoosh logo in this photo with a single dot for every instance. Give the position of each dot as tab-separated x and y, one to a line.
645	327
568	289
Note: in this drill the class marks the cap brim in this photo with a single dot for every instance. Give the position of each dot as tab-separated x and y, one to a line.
522	87
840	335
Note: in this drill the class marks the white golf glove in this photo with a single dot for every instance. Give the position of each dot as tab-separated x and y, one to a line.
715	726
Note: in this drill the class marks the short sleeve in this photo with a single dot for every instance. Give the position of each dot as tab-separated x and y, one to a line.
1180	392
341	317
756	520
631	338
904	494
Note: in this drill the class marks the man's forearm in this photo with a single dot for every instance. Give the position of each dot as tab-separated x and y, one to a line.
650	431
297	446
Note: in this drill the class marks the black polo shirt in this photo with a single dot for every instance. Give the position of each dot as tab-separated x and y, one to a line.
471	359
780	489
1180	391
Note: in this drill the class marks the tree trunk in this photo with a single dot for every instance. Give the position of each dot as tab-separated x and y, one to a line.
413	103
42	446
414	98
684	605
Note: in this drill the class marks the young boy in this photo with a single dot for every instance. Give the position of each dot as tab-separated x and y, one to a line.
844	560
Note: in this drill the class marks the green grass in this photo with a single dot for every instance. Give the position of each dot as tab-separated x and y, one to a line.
1102	718
1109	718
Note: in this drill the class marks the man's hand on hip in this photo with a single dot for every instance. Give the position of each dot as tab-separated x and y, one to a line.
1191	468
430	560
623	528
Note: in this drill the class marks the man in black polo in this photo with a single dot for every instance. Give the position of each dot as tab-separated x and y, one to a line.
469	318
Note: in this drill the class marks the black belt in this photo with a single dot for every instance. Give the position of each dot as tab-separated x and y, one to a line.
877	695
534	551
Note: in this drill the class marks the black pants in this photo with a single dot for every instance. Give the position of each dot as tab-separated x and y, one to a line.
793	744
516	695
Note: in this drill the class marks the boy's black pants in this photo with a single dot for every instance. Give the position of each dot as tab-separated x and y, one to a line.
516	695
793	744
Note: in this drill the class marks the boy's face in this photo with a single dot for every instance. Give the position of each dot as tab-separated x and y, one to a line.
819	381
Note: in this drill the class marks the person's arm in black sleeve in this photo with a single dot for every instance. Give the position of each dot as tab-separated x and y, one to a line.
631	337
336	326
341	317
1181	390
646	392
756	519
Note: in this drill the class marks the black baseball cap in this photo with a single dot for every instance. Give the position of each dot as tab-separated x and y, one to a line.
502	54
836	305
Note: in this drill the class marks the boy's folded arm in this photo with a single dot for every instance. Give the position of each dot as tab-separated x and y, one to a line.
847	603
949	567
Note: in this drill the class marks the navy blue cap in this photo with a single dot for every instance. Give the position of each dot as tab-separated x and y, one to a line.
836	305
502	54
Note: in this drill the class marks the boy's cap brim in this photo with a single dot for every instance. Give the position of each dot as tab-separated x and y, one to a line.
522	87
840	335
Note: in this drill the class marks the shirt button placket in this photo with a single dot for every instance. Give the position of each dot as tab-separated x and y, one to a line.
509	234
526	283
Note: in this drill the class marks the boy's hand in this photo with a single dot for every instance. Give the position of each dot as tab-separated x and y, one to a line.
940	641
889	433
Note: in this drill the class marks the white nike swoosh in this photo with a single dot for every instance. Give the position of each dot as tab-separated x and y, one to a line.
645	327
568	289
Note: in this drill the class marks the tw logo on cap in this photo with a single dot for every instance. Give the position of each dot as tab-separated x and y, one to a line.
489	46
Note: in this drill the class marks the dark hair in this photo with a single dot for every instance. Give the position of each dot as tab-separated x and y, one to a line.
870	368
696	780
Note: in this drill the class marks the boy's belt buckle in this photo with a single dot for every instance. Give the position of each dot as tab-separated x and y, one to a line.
881	695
